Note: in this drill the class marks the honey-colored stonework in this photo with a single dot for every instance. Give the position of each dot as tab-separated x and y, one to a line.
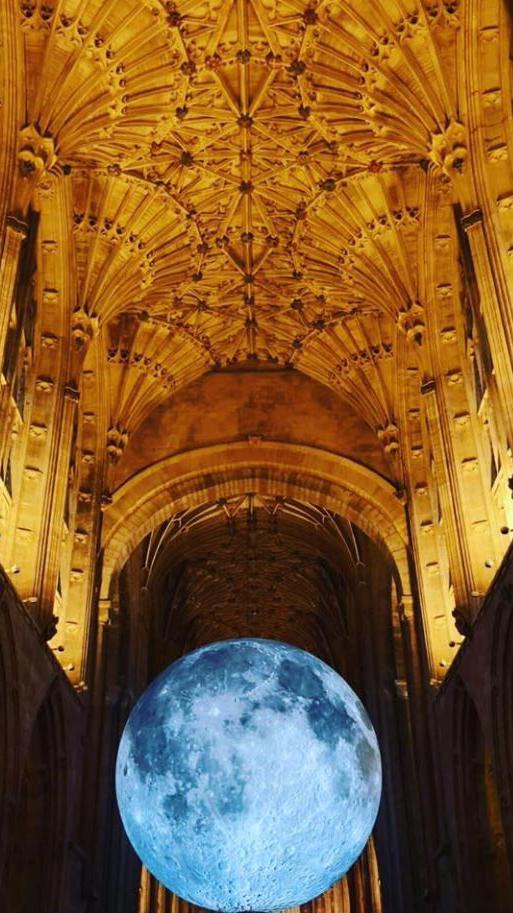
256	285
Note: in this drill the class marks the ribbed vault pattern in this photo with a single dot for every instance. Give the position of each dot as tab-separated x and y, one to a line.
255	566
246	180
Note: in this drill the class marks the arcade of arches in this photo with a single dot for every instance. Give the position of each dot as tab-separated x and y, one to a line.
256	378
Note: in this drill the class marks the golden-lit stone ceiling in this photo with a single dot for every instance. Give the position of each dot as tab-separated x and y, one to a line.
214	193
247	180
217	192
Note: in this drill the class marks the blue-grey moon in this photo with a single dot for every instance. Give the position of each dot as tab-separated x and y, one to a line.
248	776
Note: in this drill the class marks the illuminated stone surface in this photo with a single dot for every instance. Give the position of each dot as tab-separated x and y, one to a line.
248	776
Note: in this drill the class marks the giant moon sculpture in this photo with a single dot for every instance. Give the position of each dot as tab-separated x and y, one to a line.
248	776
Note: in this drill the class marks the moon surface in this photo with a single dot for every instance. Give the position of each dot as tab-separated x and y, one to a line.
248	776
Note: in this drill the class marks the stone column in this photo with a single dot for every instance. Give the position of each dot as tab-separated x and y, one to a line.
418	724
500	333
450	499
48	560
35	155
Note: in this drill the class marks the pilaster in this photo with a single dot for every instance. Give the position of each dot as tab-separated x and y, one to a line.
450	497
501	339
50	539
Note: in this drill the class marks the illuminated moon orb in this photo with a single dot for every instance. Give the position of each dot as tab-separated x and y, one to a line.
248	776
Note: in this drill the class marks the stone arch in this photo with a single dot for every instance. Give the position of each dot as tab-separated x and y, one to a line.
305	473
484	876
302	472
32	880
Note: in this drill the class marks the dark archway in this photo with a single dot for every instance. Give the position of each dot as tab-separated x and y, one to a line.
272	566
31	878
483	866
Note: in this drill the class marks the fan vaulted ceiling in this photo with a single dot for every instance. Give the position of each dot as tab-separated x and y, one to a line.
247	180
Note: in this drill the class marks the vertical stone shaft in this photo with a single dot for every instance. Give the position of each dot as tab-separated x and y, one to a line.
501	341
450	497
47	564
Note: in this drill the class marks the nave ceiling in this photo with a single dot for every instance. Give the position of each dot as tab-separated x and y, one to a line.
247	180
253	565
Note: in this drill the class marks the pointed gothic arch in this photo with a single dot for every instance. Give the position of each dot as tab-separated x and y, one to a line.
209	473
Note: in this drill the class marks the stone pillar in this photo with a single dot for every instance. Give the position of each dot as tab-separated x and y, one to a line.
418	725
499	326
401	849
115	870
450	499
48	559
35	155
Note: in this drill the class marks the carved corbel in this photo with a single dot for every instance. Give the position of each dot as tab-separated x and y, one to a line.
449	149
83	328
389	437
36	155
44	384
85	496
117	439
411	322
448	334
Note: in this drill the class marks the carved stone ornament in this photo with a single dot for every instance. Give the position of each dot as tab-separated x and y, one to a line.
85	495
449	149
117	439
44	384
83	328
36	155
49	341
38	431
389	437
411	322
36	152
